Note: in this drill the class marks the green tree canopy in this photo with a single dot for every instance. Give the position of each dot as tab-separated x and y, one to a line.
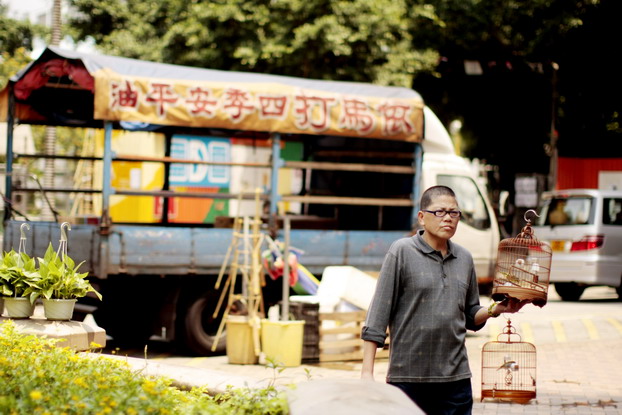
357	40
14	34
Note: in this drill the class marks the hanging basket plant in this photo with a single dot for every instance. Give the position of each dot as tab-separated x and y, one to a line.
18	276
60	277
18	284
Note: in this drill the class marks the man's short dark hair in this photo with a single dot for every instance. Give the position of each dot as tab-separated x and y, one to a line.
433	192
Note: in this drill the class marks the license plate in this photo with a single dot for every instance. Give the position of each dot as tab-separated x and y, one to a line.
558	245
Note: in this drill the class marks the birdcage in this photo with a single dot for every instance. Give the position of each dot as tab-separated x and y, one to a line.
523	268
509	368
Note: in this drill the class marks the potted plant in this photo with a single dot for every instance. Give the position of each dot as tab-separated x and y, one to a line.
60	284
18	284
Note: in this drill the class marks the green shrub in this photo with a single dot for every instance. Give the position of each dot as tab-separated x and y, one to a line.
40	378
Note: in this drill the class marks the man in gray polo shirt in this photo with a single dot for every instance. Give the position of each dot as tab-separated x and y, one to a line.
427	296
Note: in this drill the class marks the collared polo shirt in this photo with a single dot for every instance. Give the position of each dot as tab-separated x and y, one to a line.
428	302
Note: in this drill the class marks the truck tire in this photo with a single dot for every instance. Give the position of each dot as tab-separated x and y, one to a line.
569	291
196	326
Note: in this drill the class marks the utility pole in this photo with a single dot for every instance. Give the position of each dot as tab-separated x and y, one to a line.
50	132
553	154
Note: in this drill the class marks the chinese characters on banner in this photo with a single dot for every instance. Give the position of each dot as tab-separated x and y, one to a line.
257	107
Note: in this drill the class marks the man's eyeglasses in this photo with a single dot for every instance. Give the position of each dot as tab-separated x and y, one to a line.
441	213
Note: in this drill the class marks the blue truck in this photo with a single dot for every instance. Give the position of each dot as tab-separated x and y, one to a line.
363	154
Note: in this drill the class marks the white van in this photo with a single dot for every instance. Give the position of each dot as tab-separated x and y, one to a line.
584	229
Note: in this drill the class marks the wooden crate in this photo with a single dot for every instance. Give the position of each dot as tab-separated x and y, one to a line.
340	337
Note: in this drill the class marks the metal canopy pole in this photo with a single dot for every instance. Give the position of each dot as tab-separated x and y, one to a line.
274	178
285	277
9	153
418	165
107	176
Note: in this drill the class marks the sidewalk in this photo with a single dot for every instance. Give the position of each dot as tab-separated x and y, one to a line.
572	378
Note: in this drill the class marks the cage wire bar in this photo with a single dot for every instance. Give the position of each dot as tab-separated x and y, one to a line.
523	267
509	368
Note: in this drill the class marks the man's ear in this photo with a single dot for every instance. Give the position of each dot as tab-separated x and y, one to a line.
420	219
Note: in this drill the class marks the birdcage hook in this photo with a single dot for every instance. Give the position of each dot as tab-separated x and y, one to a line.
527	219
527	232
62	246
22	239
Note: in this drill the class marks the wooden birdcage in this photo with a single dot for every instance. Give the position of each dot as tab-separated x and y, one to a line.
509	368
523	268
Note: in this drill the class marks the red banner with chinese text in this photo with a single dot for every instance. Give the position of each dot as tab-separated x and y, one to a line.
270	107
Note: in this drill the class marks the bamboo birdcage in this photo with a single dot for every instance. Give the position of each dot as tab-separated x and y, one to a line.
509	368
523	268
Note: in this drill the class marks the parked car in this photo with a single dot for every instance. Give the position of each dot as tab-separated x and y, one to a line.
584	229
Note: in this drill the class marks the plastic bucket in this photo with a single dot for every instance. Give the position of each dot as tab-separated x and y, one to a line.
281	341
240	345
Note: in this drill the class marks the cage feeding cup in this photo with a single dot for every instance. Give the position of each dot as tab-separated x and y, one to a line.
509	368
523	268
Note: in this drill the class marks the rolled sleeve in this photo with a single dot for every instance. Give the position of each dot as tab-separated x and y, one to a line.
373	335
380	309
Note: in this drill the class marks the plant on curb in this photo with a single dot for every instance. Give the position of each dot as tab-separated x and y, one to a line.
60	279
38	377
19	276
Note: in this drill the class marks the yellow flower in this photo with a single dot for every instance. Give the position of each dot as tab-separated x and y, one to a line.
35	395
131	411
80	382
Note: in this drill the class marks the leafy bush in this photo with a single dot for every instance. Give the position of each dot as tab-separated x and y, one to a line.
18	275
60	279
40	378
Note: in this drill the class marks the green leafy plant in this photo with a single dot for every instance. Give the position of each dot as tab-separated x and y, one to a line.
18	276
38	377
60	279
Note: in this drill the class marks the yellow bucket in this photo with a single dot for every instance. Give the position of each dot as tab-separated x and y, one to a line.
281	341
240	345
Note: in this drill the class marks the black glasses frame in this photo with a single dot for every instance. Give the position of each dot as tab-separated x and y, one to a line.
440	213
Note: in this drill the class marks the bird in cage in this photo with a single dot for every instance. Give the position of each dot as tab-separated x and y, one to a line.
509	364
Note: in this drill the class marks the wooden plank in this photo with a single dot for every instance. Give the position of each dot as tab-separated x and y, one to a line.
340	344
346	316
341	330
361	167
350	323
343	200
146	159
351	356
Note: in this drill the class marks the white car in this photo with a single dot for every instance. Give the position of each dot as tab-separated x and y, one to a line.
584	229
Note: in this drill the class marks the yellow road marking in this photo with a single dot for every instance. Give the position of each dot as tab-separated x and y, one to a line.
591	328
527	335
615	323
558	329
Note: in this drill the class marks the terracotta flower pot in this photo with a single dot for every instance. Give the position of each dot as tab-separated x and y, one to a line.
58	309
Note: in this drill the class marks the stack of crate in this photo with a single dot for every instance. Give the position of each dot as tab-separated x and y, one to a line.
309	312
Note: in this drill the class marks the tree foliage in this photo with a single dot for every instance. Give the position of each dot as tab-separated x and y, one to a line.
15	34
359	40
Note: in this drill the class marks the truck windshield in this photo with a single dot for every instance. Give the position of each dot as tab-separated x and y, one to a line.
472	205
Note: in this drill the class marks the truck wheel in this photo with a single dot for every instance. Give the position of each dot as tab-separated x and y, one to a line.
196	325
569	291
